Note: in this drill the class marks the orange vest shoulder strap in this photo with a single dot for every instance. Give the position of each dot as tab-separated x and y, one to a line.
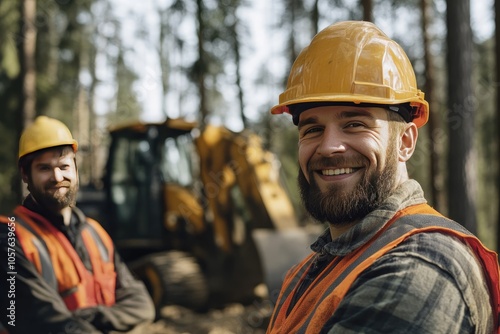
51	253
101	252
42	262
46	268
30	216
102	239
407	225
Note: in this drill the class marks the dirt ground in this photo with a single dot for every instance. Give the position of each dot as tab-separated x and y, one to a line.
232	319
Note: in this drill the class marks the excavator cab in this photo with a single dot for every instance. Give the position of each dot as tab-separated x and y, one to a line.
162	217
143	160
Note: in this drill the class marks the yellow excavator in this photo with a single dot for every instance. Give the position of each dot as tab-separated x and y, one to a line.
200	214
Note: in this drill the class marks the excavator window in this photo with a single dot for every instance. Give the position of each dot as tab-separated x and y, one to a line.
177	163
132	175
141	165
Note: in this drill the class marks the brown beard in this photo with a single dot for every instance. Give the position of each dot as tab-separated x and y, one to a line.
338	207
51	202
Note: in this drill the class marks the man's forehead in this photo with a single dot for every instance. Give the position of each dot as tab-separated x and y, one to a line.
54	155
341	112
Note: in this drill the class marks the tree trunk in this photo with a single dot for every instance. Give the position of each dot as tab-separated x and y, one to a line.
292	8
461	105
433	123
237	60
201	64
497	59
27	47
28	70
315	17
95	136
163	56
367	10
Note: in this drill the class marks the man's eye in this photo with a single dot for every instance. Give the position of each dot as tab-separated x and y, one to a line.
354	125
311	130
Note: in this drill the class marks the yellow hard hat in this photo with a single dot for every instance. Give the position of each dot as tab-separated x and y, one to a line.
45	132
354	62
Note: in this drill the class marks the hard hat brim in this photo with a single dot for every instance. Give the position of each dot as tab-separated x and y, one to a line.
420	120
33	149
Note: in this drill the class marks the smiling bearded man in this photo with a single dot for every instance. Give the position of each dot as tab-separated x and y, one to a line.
340	207
388	262
50	193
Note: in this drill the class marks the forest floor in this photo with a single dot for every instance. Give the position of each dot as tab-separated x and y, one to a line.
232	319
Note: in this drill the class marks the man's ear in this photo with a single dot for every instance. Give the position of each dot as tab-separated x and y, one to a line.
24	176
408	142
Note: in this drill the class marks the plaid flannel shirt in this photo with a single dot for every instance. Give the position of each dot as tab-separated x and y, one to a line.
431	283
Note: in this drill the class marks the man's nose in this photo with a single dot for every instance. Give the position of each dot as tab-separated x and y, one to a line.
331	142
58	175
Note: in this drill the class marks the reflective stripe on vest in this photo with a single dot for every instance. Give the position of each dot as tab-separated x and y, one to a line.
46	268
57	261
324	301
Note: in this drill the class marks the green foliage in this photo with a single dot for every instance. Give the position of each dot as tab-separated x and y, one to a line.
75	39
127	108
8	169
10	102
62	40
9	18
485	90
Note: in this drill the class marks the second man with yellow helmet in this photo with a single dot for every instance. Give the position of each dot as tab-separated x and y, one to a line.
64	274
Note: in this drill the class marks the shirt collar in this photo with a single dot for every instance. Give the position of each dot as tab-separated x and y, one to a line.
77	216
407	194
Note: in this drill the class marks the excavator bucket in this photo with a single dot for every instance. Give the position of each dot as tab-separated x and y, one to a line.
279	250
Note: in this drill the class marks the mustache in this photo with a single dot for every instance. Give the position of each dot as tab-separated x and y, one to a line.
59	184
325	162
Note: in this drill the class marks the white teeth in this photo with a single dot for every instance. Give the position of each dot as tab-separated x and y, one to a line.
337	171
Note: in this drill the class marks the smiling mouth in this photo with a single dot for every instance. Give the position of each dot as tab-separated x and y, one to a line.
338	171
54	189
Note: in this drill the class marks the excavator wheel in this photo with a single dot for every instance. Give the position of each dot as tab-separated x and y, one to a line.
173	278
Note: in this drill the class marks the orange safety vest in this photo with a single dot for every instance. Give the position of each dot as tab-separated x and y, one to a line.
59	264
324	297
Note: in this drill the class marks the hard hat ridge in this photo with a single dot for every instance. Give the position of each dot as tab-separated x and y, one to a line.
353	62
